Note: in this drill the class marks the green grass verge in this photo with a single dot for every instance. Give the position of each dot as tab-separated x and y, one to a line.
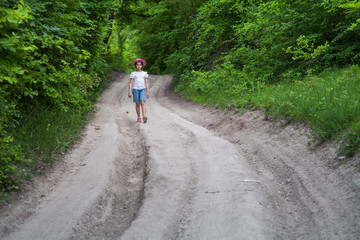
329	102
45	131
34	142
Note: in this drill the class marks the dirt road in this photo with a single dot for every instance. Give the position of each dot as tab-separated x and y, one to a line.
191	172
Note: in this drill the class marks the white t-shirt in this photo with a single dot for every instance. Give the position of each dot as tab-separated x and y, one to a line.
139	79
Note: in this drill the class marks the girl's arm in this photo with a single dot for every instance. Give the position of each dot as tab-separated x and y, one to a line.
147	87
130	87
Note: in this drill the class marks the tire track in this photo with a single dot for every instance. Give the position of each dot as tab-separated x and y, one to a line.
198	186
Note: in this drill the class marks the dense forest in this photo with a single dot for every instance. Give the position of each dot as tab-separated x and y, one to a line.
294	59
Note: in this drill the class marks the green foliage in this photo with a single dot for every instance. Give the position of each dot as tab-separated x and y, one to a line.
122	48
53	57
12	159
51	51
216	19
163	27
198	51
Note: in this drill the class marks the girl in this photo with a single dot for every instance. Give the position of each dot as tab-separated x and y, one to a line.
139	88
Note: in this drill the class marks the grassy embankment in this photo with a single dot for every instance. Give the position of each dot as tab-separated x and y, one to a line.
328	102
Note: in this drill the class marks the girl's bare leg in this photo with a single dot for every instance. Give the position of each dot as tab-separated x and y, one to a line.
143	108
138	109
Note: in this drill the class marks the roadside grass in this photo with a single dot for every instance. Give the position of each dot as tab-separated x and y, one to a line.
39	136
43	132
328	102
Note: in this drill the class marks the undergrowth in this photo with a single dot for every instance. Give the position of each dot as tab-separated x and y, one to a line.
35	139
44	131
40	134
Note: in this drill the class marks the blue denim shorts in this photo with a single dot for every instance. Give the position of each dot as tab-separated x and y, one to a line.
139	95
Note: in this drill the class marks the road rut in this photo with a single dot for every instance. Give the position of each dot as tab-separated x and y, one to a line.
191	172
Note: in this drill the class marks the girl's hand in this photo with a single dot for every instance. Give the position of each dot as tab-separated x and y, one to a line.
147	95
130	95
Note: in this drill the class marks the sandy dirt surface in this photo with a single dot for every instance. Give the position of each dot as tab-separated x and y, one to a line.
191	172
